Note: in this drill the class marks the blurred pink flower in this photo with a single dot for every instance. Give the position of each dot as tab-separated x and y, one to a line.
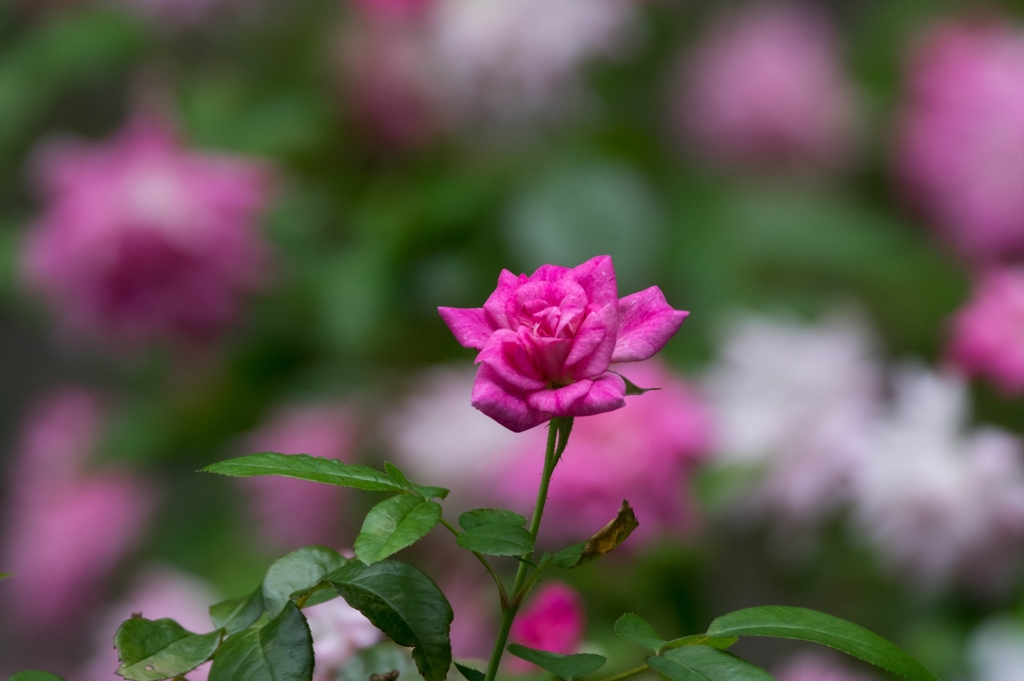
546	341
942	504
143	240
552	620
988	333
294	513
67	529
470	592
339	632
387	81
63	546
157	592
960	147
816	667
766	86
57	440
644	453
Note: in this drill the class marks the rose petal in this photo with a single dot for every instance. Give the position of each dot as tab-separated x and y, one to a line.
548	353
595	340
507	406
496	303
560	401
549	273
468	324
646	323
566	295
607	393
597	277
507	356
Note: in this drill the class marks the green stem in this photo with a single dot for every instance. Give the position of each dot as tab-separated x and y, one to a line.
509	613
518	596
629	672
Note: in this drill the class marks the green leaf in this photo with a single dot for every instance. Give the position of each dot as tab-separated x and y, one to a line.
305	467
151	650
817	627
700	640
398	476
299	570
406	605
394	524
428	492
5	575
280	651
701	663
35	675
490	516
238	613
569	557
379	659
498	539
636	629
424	491
469	673
566	667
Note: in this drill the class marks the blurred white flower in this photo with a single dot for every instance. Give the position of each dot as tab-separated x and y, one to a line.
339	632
441	439
510	61
995	651
449	65
798	401
942	504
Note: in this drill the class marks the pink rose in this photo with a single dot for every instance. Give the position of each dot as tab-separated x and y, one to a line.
553	621
988	334
546	341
